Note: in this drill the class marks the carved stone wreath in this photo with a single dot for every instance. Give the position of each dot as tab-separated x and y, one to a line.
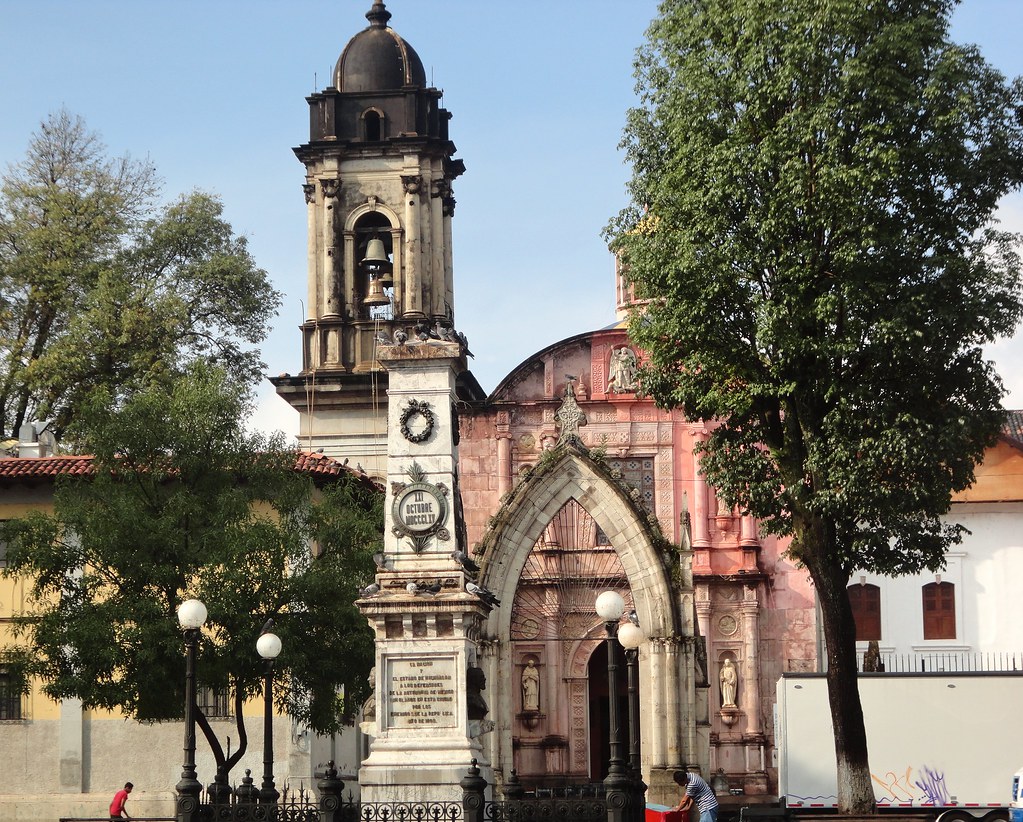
415	409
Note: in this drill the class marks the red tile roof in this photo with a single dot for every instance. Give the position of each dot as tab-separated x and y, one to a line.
14	469
45	469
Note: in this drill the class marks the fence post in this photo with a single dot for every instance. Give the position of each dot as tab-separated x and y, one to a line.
513	789
330	788
473	797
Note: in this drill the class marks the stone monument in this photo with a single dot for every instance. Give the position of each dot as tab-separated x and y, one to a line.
429	712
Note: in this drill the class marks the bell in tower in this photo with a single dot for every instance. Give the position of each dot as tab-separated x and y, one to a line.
378	190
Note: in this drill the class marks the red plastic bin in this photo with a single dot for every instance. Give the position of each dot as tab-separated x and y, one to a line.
662	813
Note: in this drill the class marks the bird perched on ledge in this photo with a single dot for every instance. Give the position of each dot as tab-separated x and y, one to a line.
467	564
422	589
486	597
370	590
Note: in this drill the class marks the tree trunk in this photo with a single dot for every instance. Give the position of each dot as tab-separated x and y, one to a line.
855	789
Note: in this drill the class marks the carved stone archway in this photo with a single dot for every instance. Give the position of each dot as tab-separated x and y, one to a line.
659	588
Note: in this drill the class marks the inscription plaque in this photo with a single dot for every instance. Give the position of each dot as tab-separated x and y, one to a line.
421	693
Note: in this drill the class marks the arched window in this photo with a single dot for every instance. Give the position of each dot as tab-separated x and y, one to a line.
865	601
939	603
374	125
373	225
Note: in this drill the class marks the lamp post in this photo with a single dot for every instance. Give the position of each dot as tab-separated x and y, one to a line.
610	607
268	646
631	636
191	615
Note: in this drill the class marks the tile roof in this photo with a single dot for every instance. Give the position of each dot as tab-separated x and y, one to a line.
13	469
44	469
1013	428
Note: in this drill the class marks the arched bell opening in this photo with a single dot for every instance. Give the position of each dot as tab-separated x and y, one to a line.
373	126
375	270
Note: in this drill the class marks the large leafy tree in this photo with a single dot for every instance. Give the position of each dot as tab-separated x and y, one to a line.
101	285
814	185
184	503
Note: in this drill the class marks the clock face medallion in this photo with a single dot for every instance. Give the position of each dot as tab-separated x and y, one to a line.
420	509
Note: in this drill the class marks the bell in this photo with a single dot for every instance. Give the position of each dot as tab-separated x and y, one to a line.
376	261
376	295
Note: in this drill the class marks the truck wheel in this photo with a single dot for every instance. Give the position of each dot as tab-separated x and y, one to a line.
1001	815
957	816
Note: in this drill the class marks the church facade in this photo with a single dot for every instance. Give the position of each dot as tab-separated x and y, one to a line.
569	482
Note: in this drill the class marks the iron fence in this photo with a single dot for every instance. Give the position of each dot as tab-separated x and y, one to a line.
948	662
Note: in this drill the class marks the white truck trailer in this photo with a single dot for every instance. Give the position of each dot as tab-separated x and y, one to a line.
945	745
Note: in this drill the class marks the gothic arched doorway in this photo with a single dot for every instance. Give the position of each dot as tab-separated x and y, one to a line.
569	530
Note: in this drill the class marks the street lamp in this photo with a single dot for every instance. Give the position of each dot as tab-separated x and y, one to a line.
610	607
268	646
192	615
631	636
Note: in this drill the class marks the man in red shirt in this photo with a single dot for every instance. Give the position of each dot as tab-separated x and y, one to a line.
117	809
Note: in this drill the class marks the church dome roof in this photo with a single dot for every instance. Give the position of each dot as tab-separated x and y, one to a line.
377	59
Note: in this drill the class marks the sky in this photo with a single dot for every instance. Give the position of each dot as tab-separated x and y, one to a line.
213	93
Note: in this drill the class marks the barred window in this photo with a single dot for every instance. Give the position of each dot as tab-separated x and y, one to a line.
10	696
215	703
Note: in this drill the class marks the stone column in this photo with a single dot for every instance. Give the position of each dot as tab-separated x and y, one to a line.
412	184
329	289
311	306
750	611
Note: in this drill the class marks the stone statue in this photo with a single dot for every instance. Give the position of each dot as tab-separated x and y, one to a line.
621	376
729	681
475	684
530	687
368	725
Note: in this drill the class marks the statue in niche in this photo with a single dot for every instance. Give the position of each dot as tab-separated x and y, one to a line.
729	683
621	373
475	684
530	687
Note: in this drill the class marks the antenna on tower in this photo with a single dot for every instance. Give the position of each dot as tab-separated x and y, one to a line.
314	82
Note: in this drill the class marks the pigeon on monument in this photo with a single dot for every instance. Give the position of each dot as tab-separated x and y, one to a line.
486	597
380	561
467	564
370	590
400	337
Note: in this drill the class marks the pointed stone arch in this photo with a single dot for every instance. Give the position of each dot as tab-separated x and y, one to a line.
565	473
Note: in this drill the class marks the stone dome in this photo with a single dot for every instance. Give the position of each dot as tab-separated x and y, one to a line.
377	59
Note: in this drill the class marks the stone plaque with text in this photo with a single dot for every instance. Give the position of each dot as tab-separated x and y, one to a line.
421	693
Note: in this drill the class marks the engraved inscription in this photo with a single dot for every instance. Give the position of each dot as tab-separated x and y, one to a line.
421	693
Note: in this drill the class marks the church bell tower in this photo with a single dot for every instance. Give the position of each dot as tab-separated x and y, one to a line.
378	191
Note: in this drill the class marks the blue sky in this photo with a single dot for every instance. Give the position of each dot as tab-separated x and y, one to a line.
213	92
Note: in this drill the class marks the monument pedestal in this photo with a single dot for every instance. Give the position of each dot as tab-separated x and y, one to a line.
430	694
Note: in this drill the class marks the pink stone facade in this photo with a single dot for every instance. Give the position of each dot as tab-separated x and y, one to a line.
752	605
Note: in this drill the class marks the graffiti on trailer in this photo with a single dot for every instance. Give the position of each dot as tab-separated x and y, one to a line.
897	787
932	783
928	788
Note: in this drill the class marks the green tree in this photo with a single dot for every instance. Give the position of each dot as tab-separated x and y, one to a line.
814	183
183	502
102	286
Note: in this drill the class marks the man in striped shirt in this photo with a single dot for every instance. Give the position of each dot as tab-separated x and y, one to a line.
699	792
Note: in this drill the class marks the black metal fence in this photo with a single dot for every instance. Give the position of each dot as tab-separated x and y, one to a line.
621	802
948	662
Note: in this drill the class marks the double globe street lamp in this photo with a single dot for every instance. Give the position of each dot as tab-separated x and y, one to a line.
192	616
625	789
